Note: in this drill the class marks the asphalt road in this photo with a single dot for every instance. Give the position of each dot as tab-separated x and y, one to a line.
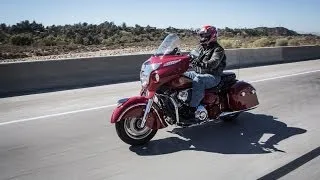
67	135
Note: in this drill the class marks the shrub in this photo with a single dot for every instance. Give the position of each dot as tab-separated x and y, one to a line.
225	43
50	41
107	42
127	38
245	45
236	44
78	39
263	42
3	38
282	42
138	38
21	40
12	55
293	42
86	41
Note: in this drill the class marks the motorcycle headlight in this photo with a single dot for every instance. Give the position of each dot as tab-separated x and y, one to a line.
155	66
144	78
145	72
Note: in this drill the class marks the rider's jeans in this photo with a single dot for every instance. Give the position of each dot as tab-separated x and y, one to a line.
199	84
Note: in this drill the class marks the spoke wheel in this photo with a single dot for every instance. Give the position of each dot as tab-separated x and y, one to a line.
133	129
130	132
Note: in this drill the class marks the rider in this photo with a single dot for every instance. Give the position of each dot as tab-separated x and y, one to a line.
209	65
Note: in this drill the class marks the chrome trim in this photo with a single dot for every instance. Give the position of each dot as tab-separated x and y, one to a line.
199	113
132	132
144	119
160	119
175	108
170	63
234	112
130	107
174	104
156	102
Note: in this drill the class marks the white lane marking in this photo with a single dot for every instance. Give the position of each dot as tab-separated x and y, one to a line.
54	115
107	106
289	75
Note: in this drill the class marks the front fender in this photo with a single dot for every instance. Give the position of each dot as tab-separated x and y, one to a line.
136	106
125	104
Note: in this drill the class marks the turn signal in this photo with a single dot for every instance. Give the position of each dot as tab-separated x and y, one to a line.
156	78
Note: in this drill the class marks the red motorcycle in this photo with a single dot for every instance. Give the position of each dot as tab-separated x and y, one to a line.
166	93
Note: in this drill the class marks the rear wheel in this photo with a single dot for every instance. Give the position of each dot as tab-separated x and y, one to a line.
130	132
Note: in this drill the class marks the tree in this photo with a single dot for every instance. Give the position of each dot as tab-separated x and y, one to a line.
138	29
21	40
35	27
3	37
3	27
124	26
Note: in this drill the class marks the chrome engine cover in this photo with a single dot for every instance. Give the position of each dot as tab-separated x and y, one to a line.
201	113
184	95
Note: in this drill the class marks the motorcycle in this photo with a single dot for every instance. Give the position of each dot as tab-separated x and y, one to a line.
166	93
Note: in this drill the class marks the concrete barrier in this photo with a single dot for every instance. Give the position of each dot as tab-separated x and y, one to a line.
291	54
43	76
257	57
28	77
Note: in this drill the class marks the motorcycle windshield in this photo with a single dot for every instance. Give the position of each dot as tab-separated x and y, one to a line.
169	46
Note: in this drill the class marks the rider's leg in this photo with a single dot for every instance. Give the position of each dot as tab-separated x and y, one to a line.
191	74
200	83
196	88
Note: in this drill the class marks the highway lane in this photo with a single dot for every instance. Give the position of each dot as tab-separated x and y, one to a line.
34	106
83	145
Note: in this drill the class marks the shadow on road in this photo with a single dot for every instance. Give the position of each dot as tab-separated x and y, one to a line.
242	136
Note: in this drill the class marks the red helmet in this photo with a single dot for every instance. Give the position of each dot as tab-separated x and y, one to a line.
208	34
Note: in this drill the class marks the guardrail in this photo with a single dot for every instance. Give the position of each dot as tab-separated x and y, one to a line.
43	76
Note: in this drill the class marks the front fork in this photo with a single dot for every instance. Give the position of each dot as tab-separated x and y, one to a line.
149	105
148	108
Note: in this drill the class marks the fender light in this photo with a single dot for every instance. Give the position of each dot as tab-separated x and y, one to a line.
155	77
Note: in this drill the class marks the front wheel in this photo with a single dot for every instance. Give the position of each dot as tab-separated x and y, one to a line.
130	132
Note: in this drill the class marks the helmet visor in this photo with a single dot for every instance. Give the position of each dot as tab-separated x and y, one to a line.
204	34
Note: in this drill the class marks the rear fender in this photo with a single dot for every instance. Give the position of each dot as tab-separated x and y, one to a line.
135	106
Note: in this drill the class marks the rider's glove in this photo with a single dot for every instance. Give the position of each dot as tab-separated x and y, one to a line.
202	64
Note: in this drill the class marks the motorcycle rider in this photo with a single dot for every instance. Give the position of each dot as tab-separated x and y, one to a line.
209	65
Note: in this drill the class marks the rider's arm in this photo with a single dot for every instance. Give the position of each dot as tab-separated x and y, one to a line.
215	59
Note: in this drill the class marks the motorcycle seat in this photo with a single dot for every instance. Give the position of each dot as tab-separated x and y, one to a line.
226	78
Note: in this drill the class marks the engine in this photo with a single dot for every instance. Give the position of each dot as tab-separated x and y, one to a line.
183	99
184	96
211	108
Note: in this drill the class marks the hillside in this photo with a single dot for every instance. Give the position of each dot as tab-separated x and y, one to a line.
30	39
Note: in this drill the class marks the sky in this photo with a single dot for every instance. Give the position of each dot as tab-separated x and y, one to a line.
298	15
